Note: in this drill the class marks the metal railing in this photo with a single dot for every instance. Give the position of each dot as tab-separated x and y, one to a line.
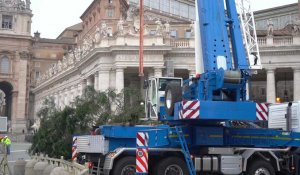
72	168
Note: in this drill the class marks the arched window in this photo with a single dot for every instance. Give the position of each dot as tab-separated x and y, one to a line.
5	65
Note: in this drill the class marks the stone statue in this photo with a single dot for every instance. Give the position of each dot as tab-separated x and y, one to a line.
50	72
85	46
270	30
59	66
21	5
136	24
120	27
167	28
54	68
296	27
97	36
28	3
65	62
159	27
103	30
192	28
71	54
47	74
77	54
90	42
146	30
130	30
130	13
70	60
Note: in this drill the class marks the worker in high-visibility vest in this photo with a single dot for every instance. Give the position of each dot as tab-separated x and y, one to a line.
6	141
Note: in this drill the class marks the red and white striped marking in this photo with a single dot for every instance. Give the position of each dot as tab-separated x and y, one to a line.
142	160
190	110
74	149
142	139
262	111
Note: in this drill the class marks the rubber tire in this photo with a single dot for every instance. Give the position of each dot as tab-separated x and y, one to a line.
176	96
164	163
121	163
260	164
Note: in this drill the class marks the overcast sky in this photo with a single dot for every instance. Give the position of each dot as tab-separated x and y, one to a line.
51	17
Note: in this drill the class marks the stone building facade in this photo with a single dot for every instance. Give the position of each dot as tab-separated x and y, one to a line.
106	55
23	59
15	48
278	31
107	50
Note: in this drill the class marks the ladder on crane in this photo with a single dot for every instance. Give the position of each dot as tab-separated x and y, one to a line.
185	150
249	32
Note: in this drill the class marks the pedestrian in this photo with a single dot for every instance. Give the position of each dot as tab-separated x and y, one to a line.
6	141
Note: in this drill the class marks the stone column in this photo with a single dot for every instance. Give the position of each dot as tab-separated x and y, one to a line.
119	79
158	72
96	80
79	90
271	87
67	96
56	99
103	81
61	100
72	93
89	81
14	109
83	85
297	84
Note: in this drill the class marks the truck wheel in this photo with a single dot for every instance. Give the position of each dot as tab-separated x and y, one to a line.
124	166
171	166
173	94
260	168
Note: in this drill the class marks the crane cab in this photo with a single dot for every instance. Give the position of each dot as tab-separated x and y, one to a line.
155	95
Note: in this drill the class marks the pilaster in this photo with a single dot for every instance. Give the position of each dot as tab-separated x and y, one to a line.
96	80
119	79
83	85
103	80
271	88
89	81
296	84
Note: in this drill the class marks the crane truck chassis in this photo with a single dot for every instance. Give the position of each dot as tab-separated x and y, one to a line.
165	160
197	137
219	149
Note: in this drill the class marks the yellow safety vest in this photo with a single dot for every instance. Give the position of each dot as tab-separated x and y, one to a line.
6	141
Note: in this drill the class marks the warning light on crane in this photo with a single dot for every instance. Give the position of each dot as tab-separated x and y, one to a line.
278	100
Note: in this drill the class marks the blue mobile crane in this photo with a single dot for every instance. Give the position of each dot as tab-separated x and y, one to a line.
198	136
